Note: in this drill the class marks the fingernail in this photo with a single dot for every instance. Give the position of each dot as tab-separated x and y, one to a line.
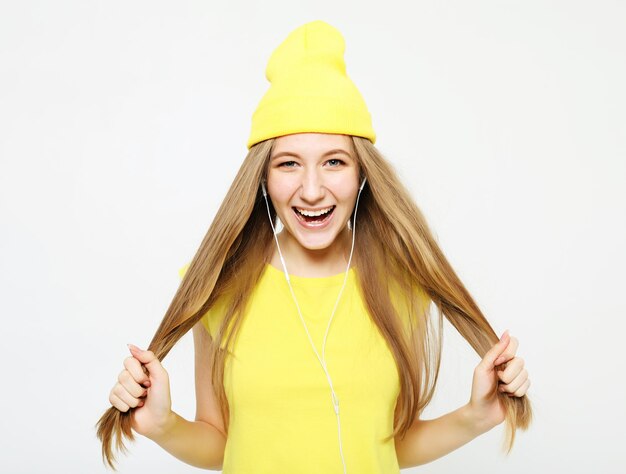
133	347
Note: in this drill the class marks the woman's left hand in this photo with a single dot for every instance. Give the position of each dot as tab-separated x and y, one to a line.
489	378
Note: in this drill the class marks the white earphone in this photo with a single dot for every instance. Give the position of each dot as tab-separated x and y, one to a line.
334	399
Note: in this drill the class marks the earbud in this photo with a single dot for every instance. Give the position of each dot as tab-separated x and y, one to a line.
362	184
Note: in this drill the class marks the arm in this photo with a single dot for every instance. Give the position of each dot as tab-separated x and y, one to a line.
197	443
200	443
427	440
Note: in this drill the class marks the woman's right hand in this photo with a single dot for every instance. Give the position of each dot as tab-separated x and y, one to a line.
148	393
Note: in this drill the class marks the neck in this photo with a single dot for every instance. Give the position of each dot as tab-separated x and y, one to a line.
314	263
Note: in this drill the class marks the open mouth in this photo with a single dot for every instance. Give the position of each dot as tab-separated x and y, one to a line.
318	217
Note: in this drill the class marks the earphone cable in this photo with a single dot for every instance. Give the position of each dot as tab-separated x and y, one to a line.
322	360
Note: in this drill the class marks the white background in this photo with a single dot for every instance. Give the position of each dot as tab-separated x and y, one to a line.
122	125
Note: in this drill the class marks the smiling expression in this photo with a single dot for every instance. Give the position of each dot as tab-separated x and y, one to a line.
313	181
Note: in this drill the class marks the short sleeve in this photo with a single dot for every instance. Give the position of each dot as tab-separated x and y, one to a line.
213	317
407	305
182	270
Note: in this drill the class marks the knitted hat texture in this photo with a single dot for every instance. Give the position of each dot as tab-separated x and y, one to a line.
310	90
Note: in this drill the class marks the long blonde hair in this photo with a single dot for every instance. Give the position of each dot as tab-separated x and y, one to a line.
394	247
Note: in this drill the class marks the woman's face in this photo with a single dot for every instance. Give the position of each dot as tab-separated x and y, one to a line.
315	174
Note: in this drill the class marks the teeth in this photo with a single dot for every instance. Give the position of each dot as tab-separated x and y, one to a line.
304	212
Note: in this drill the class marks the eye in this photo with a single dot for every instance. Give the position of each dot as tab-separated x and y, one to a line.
286	163
337	160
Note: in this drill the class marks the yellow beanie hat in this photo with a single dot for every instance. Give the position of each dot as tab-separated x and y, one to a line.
309	89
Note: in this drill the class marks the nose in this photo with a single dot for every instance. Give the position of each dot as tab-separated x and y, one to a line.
312	189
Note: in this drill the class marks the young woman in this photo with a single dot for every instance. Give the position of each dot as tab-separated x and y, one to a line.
315	347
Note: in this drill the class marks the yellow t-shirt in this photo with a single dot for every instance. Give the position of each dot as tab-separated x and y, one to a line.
281	413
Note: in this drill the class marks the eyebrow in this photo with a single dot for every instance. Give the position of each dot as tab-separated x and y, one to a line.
329	152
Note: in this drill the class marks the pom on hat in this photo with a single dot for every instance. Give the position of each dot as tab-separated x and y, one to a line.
309	89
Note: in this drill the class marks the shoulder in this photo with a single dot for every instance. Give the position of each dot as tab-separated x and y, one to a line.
214	315
408	298
182	270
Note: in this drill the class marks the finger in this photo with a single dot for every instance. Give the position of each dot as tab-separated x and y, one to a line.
516	383
520	392
129	383
148	359
125	396
135	369
118	403
492	354
509	352
513	368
